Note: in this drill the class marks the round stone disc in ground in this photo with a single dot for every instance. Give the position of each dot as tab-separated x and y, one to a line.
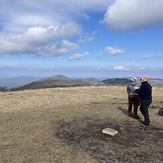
110	131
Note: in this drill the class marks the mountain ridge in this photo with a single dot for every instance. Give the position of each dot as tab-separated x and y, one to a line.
63	81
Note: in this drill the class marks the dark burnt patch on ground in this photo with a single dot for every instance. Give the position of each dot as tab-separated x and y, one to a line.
132	143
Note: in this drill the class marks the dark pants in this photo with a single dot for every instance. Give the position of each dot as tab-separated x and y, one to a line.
133	101
144	110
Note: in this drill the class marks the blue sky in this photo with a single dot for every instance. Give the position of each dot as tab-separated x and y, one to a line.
103	39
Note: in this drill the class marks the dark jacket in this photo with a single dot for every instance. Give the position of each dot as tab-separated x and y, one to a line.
145	91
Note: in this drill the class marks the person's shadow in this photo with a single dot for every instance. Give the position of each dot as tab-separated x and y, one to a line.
124	111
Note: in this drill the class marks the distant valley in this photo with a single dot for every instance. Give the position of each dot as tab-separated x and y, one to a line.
17	81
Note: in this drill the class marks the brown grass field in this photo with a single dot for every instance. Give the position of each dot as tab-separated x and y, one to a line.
36	126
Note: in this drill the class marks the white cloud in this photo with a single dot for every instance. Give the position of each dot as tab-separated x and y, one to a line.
78	56
29	26
151	56
100	53
133	14
131	58
147	57
114	50
160	55
87	37
59	49
120	68
24	14
141	68
34	38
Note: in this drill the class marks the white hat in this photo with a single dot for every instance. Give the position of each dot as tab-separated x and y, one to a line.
133	79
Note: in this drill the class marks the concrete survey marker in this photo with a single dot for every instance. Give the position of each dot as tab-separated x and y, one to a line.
110	131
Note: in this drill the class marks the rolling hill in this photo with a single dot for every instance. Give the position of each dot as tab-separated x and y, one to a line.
58	81
62	81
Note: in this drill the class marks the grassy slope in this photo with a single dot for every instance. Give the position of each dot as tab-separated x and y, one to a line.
29	120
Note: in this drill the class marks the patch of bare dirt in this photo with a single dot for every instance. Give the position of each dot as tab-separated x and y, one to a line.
132	143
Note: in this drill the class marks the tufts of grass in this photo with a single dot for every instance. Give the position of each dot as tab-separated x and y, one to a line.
30	120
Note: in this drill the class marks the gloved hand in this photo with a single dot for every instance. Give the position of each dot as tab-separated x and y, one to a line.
136	87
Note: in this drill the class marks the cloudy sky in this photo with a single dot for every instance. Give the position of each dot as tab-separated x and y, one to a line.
105	38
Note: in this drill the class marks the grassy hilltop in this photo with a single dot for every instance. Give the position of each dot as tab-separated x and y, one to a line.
63	125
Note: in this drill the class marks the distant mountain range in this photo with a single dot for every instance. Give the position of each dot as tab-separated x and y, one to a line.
58	81
3	89
17	81
24	83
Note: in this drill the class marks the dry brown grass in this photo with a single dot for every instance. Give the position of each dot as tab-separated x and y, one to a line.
30	119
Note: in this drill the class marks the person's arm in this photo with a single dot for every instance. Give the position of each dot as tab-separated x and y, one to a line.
128	89
141	90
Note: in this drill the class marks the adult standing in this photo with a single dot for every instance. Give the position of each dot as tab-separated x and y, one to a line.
145	94
133	98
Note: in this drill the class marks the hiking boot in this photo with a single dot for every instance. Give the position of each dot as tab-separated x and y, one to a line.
130	115
143	125
136	117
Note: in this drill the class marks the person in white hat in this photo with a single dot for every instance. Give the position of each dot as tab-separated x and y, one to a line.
133	99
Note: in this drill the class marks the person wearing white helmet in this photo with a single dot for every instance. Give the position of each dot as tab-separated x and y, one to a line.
133	98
